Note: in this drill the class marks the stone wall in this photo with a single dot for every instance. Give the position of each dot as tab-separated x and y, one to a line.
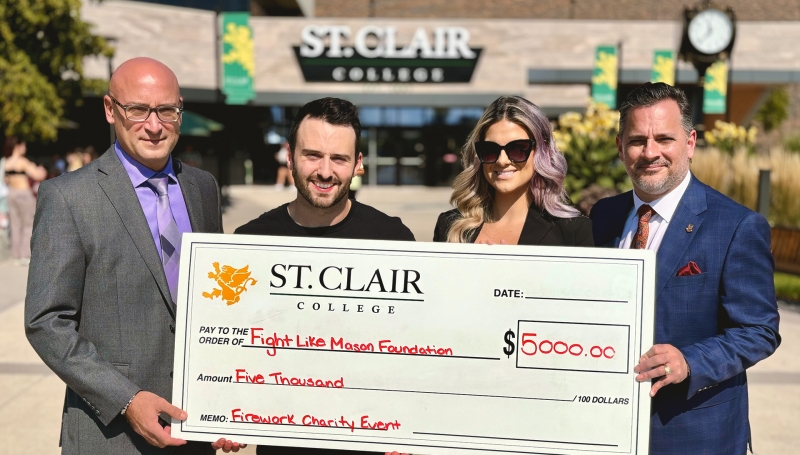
184	39
746	10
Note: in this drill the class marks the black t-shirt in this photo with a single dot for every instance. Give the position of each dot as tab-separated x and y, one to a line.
362	222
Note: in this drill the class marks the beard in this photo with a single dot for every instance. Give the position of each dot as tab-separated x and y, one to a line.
651	184
301	183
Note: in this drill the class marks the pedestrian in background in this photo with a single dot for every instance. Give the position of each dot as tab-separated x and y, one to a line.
58	166
19	173
357	181
3	210
75	159
284	174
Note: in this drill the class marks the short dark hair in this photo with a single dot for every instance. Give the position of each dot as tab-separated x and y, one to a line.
335	111
649	94
9	144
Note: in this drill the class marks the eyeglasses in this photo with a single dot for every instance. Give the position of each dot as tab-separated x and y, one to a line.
141	112
517	151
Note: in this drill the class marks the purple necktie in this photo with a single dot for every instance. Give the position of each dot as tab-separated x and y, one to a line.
168	233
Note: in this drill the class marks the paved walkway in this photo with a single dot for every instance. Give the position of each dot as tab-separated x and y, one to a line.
32	396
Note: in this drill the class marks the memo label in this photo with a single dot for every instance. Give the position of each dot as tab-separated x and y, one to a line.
232	283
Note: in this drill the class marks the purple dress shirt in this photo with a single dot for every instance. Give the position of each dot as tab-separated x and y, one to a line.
148	198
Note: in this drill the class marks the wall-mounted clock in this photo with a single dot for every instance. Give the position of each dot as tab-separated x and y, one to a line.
710	31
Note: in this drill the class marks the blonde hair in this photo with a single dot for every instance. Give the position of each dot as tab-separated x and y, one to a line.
473	196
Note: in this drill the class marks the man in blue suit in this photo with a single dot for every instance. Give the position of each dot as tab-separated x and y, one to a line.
716	312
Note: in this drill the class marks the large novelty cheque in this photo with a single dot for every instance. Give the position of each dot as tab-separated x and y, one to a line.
413	347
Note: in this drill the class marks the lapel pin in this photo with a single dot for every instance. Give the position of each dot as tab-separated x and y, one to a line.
689	228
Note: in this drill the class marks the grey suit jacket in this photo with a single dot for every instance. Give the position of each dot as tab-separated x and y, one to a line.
98	309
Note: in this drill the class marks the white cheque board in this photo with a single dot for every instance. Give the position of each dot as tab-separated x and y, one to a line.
425	348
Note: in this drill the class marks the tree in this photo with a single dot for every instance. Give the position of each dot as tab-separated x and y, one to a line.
774	110
42	47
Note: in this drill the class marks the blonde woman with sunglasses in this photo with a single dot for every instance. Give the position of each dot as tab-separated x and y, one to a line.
512	188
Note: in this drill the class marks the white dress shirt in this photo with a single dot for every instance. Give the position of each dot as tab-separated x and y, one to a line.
664	208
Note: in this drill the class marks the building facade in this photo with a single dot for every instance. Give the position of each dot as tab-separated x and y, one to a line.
423	71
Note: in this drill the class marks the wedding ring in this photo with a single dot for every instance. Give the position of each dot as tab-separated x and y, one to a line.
667	370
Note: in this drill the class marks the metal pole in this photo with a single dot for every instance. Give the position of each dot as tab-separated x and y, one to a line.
697	108
248	171
110	40
218	56
763	192
619	74
372	154
729	90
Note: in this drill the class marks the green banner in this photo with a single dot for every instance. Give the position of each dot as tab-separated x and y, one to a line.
238	63
716	88
604	78
663	67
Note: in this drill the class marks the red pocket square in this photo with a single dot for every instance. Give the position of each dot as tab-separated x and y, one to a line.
690	269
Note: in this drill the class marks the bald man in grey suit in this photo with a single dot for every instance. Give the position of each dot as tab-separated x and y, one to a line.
100	306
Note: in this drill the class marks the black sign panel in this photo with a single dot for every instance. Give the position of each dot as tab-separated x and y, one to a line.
357	68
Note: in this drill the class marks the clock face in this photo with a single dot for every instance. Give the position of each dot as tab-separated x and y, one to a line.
710	31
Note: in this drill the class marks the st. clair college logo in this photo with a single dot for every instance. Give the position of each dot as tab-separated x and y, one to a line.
232	283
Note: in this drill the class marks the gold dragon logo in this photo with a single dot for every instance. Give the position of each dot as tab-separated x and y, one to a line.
232	283
664	68
717	78
607	64
241	51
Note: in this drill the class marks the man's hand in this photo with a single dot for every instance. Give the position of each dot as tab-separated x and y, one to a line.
654	363
227	446
142	415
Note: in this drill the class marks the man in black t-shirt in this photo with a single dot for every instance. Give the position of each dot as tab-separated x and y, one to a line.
324	157
361	222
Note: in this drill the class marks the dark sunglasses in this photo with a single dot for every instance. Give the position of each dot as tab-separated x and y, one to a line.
517	151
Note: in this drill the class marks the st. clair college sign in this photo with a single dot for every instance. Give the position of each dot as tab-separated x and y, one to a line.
371	54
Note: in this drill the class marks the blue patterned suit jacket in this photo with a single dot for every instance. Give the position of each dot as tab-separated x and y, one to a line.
723	320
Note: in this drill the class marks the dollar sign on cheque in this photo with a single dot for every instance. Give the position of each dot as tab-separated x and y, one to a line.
509	349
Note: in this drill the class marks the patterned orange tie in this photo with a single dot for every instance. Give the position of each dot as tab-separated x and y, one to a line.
643	230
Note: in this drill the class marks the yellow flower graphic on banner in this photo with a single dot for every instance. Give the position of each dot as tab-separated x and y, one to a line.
232	283
717	78
665	69
607	64
241	52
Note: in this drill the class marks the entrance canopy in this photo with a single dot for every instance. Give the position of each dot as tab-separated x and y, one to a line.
197	125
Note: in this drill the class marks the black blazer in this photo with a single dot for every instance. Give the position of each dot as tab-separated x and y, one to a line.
540	228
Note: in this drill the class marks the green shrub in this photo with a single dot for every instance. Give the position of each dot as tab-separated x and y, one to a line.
588	141
787	286
774	110
792	143
730	137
